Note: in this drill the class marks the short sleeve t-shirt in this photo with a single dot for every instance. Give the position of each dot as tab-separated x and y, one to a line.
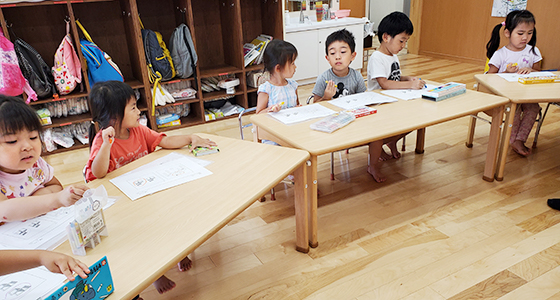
278	94
350	84
26	183
524	58
382	65
141	142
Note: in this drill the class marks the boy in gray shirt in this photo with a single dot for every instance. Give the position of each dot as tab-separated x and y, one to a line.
340	80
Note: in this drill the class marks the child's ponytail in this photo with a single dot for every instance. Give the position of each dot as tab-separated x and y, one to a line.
494	41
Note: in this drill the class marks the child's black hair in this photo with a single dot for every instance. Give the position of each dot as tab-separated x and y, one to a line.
108	100
16	115
278	52
513	19
342	35
393	24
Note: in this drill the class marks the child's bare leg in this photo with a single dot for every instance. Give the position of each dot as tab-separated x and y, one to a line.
163	284
384	156
185	264
392	144
375	150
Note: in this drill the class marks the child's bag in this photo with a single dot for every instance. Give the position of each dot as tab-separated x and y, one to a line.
182	51
158	59
12	82
34	68
67	70
99	65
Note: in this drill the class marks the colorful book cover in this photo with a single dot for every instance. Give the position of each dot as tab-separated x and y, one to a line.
97	285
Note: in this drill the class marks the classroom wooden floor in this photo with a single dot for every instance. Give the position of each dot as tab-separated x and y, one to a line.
434	230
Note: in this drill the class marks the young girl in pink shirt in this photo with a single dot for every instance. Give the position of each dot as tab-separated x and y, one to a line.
28	187
122	140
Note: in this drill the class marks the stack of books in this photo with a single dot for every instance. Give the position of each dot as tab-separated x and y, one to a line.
253	51
445	91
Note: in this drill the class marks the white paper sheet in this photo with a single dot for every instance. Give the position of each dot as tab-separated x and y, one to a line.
44	232
500	8
29	284
361	99
513	77
163	173
408	94
302	113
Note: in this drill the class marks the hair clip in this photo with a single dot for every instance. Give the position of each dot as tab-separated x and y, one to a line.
504	23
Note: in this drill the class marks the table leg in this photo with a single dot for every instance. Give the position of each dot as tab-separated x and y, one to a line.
301	205
420	137
493	144
312	196
504	144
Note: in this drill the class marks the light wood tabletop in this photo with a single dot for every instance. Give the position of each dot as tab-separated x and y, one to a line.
391	119
149	236
518	93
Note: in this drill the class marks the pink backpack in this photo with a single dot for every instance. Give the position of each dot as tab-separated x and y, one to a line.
12	82
67	70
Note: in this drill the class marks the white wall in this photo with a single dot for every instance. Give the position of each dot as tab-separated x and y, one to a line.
380	8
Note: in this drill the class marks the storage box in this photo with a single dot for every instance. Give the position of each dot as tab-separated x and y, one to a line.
342	13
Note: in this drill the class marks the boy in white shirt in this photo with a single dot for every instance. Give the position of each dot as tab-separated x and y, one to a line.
384	72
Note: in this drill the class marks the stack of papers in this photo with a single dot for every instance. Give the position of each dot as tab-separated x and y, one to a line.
408	94
163	173
362	99
302	113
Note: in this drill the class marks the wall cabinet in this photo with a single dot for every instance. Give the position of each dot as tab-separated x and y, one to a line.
219	29
310	42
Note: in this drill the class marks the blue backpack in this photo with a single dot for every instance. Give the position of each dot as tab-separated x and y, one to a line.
100	67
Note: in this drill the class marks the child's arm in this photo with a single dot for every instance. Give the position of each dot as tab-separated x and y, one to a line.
179	141
262	104
52	186
536	67
330	91
100	164
23	208
19	260
387	84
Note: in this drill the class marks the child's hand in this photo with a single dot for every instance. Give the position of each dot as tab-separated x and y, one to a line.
197	141
71	194
108	135
64	264
330	90
417	83
512	68
524	70
275	107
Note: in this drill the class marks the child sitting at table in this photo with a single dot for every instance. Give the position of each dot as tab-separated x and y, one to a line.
122	140
340	79
384	72
279	91
520	56
18	260
27	183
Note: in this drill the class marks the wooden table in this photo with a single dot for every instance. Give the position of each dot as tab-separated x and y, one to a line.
518	93
149	236
391	119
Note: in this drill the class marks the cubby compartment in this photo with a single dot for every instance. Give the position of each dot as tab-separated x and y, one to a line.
256	17
217	32
112	27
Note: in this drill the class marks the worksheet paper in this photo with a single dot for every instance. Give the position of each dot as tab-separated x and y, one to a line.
44	232
29	284
513	77
362	99
302	113
408	94
168	171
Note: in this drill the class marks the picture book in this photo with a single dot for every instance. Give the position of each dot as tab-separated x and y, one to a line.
97	285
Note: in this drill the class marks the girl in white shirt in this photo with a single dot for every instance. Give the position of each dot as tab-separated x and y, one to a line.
519	56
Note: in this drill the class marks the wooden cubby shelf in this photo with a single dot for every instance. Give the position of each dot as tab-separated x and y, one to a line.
219	29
